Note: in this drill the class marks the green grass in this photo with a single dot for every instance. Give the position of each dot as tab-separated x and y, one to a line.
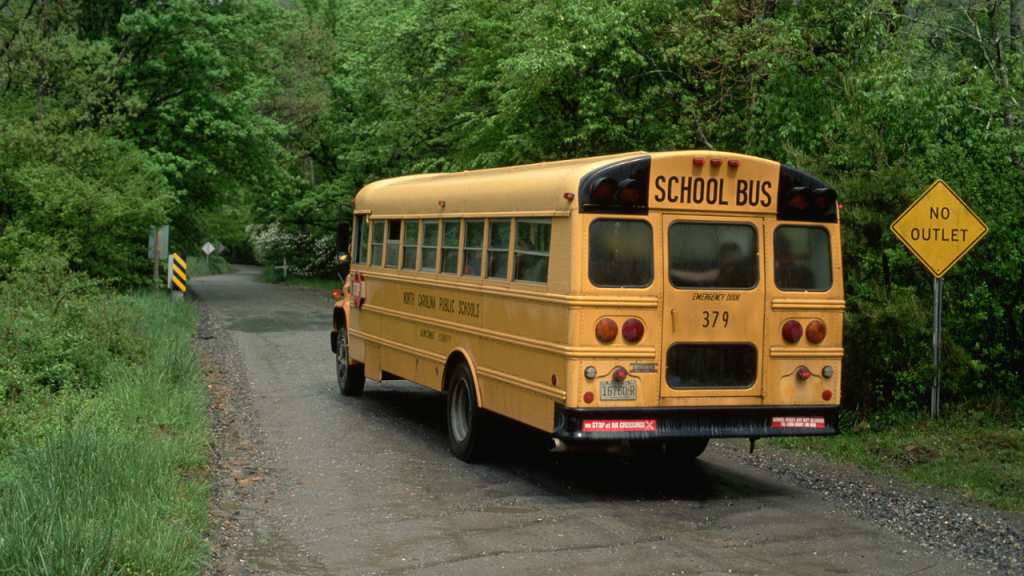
197	266
108	481
975	451
272	275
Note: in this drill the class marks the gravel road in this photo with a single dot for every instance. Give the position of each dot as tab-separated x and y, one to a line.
310	482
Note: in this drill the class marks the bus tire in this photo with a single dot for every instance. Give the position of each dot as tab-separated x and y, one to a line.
350	377
686	448
464	417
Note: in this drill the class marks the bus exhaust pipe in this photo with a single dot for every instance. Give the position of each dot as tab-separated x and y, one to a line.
556	445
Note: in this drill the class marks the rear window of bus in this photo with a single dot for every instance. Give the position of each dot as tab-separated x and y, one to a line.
621	253
710	255
803	259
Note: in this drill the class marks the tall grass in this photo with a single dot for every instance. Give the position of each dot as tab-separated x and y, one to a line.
105	479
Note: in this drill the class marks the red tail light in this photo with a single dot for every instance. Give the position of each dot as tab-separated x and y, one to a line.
630	192
604	190
792	331
633	330
803	373
606	330
816	331
619	374
797	199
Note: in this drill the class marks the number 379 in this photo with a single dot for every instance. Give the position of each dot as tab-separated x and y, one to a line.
713	317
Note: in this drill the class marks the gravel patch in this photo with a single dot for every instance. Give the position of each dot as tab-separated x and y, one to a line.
986	538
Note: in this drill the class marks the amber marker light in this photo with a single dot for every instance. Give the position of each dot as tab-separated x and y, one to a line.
337	294
606	330
816	331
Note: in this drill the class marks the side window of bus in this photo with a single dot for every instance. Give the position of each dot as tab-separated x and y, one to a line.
472	253
394	240
377	246
428	254
803	259
497	249
621	253
362	240
450	247
409	244
712	255
533	246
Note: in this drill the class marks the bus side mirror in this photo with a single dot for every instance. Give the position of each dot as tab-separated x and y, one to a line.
341	259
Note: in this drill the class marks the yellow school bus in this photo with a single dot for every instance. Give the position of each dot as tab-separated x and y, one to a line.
655	299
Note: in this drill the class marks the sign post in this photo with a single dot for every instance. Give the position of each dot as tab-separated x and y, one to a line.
208	248
938	228
158	242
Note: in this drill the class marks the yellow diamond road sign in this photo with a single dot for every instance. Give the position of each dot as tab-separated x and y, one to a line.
939	228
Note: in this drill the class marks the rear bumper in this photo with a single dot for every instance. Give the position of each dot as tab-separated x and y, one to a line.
576	425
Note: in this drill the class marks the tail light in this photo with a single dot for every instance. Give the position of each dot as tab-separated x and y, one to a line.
603	191
798	198
824	199
619	374
792	331
629	192
803	373
826	395
816	331
588	397
633	330
606	330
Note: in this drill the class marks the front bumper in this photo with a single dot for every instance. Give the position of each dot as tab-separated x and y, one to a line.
582	425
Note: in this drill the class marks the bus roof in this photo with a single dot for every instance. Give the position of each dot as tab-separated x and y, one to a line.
536	190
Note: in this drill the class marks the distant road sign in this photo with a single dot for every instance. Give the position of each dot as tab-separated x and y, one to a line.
208	248
219	247
939	228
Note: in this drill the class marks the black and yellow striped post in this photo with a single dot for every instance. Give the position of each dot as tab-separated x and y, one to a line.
178	277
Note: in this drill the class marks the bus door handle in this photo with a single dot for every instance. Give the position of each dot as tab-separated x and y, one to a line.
673	319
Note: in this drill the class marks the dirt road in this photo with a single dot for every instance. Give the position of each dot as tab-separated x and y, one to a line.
311	482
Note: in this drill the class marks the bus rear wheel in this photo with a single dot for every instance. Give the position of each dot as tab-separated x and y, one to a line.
464	417
350	378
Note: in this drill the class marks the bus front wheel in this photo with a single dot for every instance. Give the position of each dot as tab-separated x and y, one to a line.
464	417
350	378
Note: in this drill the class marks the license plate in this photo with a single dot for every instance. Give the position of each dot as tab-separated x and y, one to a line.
613	390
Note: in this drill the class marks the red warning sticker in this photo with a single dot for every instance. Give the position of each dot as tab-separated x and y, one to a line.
797	422
619	425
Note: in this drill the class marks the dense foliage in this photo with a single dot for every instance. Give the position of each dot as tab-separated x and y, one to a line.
220	114
878	98
120	114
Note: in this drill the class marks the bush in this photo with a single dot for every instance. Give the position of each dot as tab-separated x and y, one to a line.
308	256
61	329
